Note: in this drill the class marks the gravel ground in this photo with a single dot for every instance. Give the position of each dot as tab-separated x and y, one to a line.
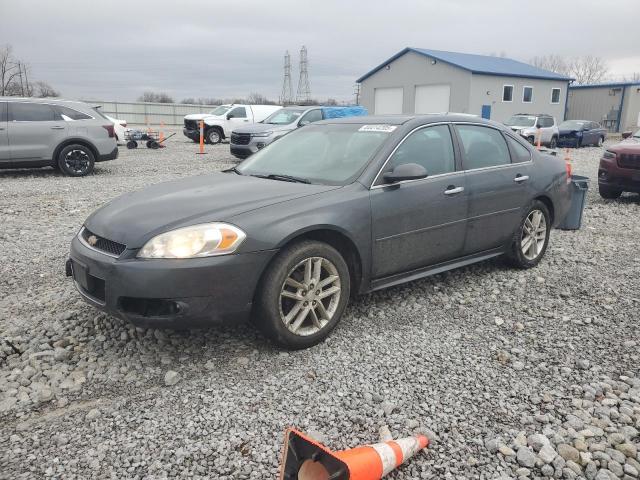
510	373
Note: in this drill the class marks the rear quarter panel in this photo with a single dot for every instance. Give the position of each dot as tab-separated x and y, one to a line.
551	181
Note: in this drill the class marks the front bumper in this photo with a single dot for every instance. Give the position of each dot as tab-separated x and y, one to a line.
191	133
569	141
612	176
243	151
108	156
167	293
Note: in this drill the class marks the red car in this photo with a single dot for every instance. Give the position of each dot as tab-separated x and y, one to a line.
620	168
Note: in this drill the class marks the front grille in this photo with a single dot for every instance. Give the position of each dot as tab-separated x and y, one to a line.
240	138
191	124
629	160
102	244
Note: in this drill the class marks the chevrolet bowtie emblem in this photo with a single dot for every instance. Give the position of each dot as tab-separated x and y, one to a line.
92	240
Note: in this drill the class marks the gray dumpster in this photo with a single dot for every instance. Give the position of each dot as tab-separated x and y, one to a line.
579	188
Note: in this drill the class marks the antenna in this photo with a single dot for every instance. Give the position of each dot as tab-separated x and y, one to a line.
286	97
304	90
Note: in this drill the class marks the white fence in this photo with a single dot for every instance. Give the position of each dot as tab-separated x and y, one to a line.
152	113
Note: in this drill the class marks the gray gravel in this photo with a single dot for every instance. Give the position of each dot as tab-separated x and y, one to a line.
510	373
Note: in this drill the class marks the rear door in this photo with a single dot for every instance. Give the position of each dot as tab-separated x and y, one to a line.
34	131
422	222
498	188
4	137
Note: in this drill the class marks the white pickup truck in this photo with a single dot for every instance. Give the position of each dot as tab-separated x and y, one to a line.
220	122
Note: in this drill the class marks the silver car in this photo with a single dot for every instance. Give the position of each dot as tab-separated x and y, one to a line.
66	135
531	126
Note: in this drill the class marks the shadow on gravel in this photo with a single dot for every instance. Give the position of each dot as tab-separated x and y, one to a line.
42	172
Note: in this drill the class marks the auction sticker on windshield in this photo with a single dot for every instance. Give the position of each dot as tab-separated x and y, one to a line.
378	128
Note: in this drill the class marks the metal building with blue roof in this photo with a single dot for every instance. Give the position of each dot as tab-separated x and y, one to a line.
419	80
616	106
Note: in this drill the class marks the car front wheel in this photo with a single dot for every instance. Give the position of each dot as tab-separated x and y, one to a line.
303	295
609	193
213	136
76	160
532	237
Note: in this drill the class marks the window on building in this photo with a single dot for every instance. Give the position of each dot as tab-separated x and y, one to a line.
31	112
527	94
555	95
507	93
430	147
483	147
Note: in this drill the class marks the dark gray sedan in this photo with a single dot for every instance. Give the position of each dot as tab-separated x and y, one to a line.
338	208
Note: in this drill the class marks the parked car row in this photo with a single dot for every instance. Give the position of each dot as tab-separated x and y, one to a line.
571	133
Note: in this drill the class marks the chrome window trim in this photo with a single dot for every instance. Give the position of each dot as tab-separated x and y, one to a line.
453	123
51	105
91	247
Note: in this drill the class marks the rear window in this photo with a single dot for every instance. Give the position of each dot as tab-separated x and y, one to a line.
31	112
100	114
70	114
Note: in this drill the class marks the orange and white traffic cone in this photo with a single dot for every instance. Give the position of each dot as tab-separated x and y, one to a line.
306	459
161	134
568	166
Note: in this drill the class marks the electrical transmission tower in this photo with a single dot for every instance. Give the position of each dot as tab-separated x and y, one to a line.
304	90
286	97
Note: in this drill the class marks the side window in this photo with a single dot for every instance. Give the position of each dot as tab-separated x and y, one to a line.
238	112
310	117
430	147
555	95
483	147
519	153
70	113
507	93
3	111
527	94
31	112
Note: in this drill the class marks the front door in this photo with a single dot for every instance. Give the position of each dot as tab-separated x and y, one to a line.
4	138
486	111
419	222
34	131
239	117
497	187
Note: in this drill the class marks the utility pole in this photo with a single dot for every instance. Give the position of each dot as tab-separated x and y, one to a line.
286	97
304	89
356	93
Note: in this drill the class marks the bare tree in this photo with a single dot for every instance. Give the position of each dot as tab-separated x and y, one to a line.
43	89
155	97
9	71
631	78
588	69
553	63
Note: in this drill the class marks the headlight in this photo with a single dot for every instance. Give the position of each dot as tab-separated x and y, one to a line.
205	240
609	154
261	134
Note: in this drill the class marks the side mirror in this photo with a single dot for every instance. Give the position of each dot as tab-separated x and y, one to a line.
303	123
406	171
230	116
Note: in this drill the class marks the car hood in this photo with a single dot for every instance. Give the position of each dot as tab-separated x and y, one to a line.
201	116
134	218
569	131
630	145
264	127
515	128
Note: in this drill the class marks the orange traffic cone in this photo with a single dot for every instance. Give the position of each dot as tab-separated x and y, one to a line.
568	166
161	134
306	459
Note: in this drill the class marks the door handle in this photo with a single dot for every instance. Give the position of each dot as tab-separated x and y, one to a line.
57	127
521	178
451	190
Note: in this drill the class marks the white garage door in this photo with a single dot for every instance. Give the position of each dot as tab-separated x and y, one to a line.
432	98
388	100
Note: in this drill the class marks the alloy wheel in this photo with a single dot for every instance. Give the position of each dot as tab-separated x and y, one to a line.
310	296
77	161
534	235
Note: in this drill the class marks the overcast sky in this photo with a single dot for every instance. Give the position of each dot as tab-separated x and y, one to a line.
115	50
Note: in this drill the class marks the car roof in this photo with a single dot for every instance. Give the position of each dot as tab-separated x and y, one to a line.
402	119
533	114
41	100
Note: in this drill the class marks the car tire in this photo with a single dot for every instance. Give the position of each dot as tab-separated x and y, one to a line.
531	140
131	144
213	136
523	254
76	160
578	142
609	193
553	144
287	290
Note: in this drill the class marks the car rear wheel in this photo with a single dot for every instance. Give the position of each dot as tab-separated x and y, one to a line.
303	295
76	160
531	239
554	143
609	193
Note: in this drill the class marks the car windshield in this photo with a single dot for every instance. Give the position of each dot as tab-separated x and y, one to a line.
221	110
332	154
283	117
521	121
572	125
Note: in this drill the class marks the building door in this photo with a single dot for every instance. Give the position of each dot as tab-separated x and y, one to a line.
388	100
486	111
432	98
